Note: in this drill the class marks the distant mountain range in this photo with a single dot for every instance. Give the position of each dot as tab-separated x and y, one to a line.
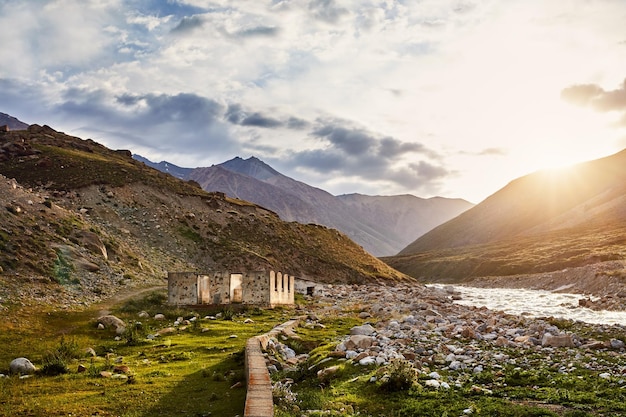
12	122
175	171
546	221
383	225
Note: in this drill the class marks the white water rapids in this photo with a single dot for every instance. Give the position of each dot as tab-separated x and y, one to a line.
534	303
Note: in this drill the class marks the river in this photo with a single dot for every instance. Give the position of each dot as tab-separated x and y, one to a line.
535	303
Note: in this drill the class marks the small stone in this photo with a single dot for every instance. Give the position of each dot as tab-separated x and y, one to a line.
326	372
159	317
233	336
605	375
369	360
248	321
106	374
121	369
81	368
432	383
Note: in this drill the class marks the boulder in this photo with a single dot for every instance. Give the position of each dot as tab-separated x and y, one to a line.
110	321
22	366
564	340
358	342
365	329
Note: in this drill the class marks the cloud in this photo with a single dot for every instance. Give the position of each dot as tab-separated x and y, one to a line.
258	31
188	24
327	10
235	114
354	152
596	97
350	141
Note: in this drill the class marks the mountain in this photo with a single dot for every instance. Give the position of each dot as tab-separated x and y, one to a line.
382	225
545	221
404	216
12	122
81	221
163	166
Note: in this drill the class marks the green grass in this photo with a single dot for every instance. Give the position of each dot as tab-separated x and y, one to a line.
188	373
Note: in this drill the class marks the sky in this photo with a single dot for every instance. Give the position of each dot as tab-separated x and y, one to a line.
451	98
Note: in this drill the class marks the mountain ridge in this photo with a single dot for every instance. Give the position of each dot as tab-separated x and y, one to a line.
12	122
294	200
546	221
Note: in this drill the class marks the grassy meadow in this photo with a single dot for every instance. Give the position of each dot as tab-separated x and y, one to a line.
190	372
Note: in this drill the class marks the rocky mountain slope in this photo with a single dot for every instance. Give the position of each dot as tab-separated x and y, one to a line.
81	221
12	122
542	222
382	225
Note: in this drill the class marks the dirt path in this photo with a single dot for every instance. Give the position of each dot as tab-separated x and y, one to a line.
126	295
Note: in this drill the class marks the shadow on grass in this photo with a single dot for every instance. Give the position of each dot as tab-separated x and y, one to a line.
216	390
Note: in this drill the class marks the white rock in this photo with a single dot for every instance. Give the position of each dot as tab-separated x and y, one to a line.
605	375
351	354
159	316
434	375
368	360
22	366
432	383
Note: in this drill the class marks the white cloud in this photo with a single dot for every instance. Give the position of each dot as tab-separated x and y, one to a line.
455	77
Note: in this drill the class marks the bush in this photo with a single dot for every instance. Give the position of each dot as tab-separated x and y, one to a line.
228	314
398	376
56	361
133	334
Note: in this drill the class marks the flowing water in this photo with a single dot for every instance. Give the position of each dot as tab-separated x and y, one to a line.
535	303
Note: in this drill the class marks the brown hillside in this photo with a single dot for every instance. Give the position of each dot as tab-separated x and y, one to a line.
93	220
541	222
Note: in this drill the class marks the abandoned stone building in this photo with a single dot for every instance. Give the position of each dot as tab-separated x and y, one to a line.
262	288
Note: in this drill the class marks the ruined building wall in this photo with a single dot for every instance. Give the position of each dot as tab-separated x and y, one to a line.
281	288
182	288
225	287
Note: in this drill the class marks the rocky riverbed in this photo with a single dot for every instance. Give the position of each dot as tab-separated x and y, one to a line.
450	344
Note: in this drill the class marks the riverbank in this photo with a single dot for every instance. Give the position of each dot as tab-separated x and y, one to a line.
603	284
444	357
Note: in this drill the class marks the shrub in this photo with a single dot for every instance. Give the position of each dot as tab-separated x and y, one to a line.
398	376
56	362
133	334
228	314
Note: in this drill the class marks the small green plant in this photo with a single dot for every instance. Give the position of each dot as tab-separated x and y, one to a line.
228	314
56	362
400	375
133	334
62	269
